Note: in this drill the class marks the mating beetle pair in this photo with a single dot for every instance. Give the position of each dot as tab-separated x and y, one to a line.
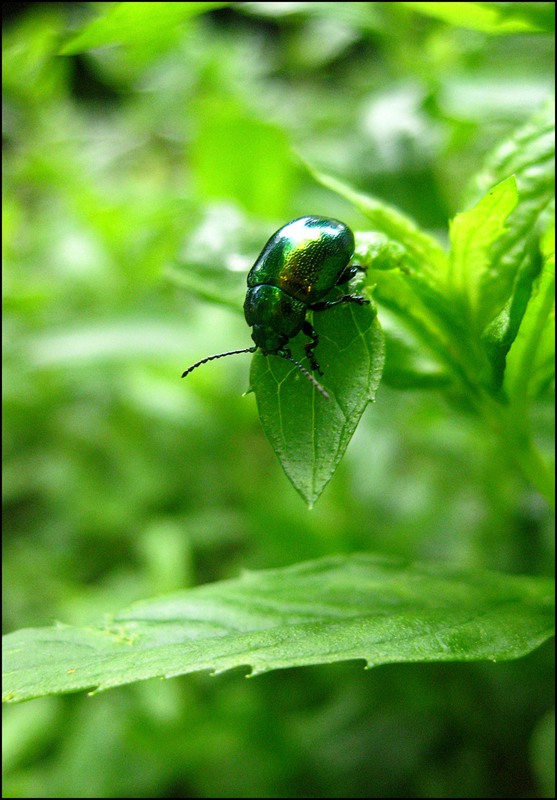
298	267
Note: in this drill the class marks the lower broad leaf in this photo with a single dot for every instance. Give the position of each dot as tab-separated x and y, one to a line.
309	433
359	606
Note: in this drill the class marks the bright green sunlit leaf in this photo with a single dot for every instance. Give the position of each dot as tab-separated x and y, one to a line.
487	17
473	234
529	155
147	26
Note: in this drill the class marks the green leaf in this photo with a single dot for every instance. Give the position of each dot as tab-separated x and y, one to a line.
308	433
337	608
31	72
472	235
499	335
424	251
530	364
149	27
529	155
489	17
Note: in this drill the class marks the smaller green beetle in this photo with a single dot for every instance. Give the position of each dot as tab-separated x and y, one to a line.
298	267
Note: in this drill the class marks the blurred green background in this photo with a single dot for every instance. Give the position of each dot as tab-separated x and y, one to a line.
139	179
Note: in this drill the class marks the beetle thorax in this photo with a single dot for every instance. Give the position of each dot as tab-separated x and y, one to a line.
274	316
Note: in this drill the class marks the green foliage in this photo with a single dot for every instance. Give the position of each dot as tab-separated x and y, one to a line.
530	362
472	236
530	156
147	29
316	613
149	151
491	17
450	299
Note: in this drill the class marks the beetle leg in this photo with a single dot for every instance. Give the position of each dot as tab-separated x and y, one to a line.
348	273
310	331
345	298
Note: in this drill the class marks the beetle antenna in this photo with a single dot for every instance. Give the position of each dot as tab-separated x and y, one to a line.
308	375
302	369
218	355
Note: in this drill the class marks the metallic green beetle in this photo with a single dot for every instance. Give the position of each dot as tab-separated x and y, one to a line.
298	267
